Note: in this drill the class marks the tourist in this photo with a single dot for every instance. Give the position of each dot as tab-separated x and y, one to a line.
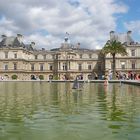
110	75
106	80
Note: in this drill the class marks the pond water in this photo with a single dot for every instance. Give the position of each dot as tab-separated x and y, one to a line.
54	111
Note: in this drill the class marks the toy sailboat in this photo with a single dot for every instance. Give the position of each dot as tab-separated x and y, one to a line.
77	85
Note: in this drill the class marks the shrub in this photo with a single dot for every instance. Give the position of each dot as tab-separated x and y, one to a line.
14	77
41	77
55	77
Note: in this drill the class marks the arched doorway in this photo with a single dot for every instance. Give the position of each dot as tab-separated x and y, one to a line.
50	77
33	77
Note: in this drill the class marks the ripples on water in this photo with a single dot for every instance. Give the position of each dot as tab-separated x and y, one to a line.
49	111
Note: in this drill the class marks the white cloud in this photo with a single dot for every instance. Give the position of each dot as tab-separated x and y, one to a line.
46	21
7	26
43	41
133	26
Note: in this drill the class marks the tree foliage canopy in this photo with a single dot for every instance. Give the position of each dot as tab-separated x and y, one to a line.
114	47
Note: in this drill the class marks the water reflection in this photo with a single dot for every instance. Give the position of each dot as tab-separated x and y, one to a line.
53	110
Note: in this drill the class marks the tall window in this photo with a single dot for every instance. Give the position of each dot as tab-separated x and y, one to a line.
65	66
6	54
89	67
50	66
80	55
59	65
132	52
133	65
35	56
41	67
32	67
15	66
122	65
5	66
44	56
79	67
90	56
69	66
15	55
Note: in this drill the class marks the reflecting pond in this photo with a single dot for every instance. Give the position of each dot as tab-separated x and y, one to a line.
50	111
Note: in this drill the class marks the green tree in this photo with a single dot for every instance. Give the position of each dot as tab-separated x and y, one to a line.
114	47
41	77
14	77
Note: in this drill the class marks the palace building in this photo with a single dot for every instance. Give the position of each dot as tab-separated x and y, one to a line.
25	62
129	63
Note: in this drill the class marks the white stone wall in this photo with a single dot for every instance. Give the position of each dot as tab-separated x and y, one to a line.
127	59
2	55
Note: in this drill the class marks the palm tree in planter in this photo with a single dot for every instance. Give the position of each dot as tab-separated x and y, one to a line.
114	47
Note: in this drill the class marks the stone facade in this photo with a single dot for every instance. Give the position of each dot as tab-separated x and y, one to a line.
24	62
128	63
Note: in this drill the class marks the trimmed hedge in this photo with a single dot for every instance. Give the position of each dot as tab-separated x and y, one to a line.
14	77
41	77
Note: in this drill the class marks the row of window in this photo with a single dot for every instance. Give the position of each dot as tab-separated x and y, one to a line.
6	66
45	56
133	65
59	57
65	66
133	53
123	65
6	55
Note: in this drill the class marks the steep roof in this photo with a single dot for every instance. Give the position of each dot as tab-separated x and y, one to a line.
14	42
11	41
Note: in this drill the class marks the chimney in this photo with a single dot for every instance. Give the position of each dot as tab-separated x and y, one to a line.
112	35
66	39
78	45
33	44
20	38
3	36
129	33
129	40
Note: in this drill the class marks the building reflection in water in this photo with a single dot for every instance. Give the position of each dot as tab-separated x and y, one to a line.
114	104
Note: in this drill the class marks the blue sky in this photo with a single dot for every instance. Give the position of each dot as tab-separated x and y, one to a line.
87	21
131	15
133	11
